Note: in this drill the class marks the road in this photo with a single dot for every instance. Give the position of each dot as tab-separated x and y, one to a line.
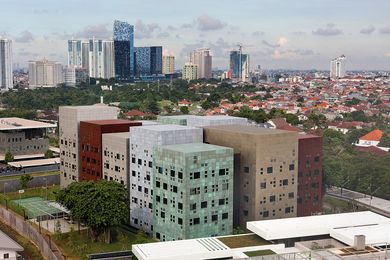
378	205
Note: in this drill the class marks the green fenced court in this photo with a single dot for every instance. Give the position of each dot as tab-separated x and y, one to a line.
37	207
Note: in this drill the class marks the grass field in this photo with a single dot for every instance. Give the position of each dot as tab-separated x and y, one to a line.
259	253
243	241
35	192
17	177
77	246
31	252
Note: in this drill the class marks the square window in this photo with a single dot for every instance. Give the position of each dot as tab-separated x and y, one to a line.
272	198
221	202
270	170
203	204
214	217
196	175
225	215
263	185
291	167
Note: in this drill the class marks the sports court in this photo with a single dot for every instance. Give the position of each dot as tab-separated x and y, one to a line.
37	207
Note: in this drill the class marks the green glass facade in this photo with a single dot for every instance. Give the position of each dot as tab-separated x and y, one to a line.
192	191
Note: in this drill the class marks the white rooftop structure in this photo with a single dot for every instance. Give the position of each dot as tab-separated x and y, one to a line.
195	249
315	225
15	123
32	163
199	121
7	244
375	234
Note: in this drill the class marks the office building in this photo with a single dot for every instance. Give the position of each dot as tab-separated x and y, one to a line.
115	157
124	50
75	76
239	66
143	141
310	175
45	73
265	170
337	67
203	59
91	148
69	132
352	236
192	191
101	59
23	138
148	61
168	64
190	71
6	73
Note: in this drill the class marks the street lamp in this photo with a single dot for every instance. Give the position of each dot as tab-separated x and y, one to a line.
373	193
342	186
4	187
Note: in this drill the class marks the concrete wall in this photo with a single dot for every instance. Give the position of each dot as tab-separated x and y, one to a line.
39	181
28	231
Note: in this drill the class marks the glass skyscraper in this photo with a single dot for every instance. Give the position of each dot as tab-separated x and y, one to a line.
239	65
124	50
148	61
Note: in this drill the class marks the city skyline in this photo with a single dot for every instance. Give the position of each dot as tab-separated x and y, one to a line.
305	35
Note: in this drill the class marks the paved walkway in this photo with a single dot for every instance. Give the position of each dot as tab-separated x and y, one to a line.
376	204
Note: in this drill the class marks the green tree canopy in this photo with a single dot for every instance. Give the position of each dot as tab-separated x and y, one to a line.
24	180
100	205
8	157
184	110
48	154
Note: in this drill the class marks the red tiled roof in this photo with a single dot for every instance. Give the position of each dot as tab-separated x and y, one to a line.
136	112
374	135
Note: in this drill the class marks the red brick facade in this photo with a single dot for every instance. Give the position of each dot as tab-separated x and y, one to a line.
90	149
310	175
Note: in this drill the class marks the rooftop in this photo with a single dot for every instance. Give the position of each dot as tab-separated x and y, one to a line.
194	147
313	225
15	123
112	122
307	136
6	243
374	135
124	135
246	129
165	128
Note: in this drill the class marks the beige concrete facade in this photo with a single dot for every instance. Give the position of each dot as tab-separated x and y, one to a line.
115	158
69	122
266	170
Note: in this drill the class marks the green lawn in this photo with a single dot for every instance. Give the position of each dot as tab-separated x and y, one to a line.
76	246
30	250
31	174
333	205
243	241
259	253
35	192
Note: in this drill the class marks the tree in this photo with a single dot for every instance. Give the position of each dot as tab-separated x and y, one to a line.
48	154
100	205
292	119
8	157
184	110
24	180
385	141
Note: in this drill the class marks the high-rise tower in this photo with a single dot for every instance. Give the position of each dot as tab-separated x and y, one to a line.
6	77
124	50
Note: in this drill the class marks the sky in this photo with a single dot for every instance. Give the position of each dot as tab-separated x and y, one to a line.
277	34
